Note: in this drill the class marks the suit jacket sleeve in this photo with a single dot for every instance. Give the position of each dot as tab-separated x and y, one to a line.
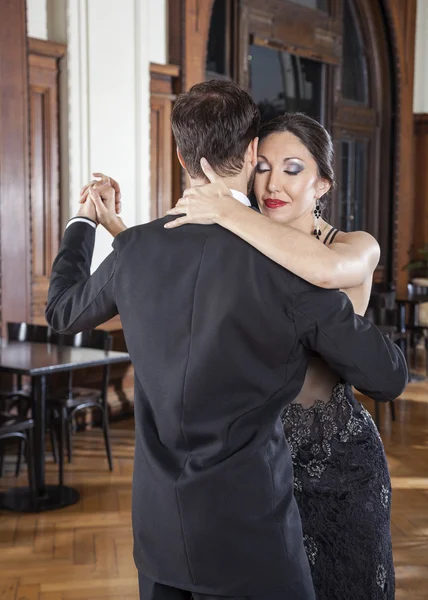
78	300
325	322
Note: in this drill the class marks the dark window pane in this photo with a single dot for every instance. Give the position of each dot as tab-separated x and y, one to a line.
345	195
282	82
353	184
360	178
318	4
354	65
216	51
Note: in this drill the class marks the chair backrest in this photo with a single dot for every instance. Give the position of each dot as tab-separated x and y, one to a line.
416	291
29	332
95	338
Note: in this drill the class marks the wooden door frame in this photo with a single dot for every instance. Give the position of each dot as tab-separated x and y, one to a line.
401	22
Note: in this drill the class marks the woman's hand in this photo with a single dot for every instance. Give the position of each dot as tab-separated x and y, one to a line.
203	204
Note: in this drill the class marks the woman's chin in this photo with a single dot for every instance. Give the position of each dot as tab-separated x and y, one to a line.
280	215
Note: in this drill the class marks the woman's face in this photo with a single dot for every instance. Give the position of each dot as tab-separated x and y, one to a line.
287	181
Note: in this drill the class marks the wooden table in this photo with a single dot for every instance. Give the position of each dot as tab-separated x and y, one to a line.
38	361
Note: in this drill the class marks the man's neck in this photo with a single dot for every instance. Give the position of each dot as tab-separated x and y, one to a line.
237	183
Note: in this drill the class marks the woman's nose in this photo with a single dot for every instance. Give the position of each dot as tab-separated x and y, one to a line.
272	185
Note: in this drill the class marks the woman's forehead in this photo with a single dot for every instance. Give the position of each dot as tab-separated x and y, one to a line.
284	143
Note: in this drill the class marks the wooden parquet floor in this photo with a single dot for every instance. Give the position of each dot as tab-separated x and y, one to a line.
85	552
406	445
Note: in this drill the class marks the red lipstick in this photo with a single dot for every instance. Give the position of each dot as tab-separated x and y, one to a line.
274	203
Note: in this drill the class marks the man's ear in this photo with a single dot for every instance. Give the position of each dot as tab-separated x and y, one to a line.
252	152
180	159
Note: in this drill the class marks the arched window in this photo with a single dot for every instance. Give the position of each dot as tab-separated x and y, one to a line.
330	60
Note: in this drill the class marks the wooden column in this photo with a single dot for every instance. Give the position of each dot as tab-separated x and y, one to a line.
421	182
14	183
43	60
402	20
189	24
163	80
188	30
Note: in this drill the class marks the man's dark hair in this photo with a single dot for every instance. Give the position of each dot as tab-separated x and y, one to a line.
216	120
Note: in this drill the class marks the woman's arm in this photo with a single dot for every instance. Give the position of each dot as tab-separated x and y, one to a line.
343	264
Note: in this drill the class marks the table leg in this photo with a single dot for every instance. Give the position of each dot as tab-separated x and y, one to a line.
38	386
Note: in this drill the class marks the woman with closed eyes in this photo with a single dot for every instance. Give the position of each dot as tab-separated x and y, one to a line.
341	477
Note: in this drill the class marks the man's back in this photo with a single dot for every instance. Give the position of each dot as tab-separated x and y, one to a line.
216	333
215	358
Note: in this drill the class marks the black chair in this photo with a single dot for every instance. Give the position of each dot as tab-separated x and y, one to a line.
417	331
15	427
29	332
23	332
382	311
65	404
18	399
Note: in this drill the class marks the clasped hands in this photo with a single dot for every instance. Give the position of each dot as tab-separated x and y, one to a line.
100	201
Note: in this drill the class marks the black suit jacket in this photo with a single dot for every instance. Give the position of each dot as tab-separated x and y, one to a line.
218	336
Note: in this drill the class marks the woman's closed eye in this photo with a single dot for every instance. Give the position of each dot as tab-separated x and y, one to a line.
264	168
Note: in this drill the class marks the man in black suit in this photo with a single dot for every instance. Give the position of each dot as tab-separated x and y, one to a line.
219	337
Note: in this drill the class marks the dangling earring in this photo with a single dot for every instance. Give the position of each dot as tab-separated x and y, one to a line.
317	218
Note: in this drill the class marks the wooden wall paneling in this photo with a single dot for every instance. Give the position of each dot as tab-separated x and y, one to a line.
402	24
420	236
44	159
162	150
14	185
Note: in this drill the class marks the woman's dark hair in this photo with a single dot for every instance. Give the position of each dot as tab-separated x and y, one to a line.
312	135
217	120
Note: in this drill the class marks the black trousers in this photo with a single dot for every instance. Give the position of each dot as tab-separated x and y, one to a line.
151	590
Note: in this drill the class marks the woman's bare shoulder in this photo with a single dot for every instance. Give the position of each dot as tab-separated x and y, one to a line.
356	237
361	242
359	239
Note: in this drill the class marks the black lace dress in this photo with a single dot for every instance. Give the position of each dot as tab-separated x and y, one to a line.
343	490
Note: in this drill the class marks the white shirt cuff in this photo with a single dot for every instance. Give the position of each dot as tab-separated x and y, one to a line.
81	220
